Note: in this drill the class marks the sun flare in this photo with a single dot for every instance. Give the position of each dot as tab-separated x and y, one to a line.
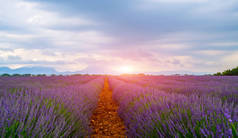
126	69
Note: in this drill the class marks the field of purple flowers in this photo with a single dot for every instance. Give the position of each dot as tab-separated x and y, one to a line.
151	106
57	106
177	106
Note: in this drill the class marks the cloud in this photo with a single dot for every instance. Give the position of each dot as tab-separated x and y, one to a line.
32	15
179	1
231	60
212	52
153	35
22	57
36	44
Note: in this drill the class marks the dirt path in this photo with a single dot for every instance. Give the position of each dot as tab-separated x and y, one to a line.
105	120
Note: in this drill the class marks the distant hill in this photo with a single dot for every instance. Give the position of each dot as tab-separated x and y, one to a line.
229	72
89	70
28	70
45	70
178	72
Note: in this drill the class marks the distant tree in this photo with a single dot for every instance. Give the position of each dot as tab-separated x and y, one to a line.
26	75
41	75
229	72
218	74
76	74
5	75
16	75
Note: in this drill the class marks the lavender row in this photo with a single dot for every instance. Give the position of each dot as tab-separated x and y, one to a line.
49	112
225	87
149	112
44	82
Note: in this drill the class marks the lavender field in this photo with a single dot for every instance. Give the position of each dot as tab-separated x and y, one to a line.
150	106
118	69
177	106
47	106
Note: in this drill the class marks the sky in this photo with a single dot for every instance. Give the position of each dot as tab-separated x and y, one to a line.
109	35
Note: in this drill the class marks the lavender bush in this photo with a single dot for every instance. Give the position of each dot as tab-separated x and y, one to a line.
152	112
225	87
48	106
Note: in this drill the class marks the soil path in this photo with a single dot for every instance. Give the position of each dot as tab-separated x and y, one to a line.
105	120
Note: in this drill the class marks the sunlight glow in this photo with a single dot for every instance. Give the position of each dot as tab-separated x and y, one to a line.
126	69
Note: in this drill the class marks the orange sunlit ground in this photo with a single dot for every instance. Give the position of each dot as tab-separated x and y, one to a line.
105	120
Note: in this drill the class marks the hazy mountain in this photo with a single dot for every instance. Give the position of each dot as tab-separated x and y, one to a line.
48	70
178	72
29	70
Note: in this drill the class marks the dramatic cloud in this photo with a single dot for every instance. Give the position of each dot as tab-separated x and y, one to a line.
102	36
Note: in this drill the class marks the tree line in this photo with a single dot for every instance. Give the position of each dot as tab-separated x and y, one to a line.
229	72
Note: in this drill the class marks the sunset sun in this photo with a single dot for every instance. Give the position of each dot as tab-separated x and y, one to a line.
125	69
